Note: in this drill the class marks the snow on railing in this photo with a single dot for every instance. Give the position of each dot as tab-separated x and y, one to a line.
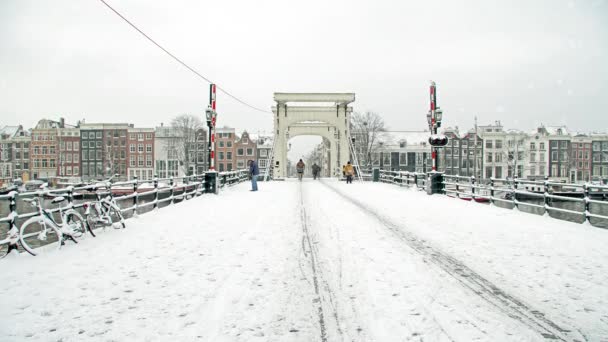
178	189
404	178
514	191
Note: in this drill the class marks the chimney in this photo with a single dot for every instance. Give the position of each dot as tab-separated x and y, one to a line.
161	124
61	123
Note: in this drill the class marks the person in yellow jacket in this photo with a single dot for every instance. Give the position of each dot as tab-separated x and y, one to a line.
350	172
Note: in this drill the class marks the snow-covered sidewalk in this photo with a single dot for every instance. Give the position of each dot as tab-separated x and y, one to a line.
316	261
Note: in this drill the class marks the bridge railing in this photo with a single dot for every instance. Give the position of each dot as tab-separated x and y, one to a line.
404	178
232	177
132	197
585	199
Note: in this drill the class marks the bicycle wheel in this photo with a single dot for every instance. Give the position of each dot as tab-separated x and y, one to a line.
4	242
90	221
118	213
6	245
33	235
76	224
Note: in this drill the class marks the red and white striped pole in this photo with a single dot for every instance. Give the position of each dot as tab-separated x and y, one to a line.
212	128
433	95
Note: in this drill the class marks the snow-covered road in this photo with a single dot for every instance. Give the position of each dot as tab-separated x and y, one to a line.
316	261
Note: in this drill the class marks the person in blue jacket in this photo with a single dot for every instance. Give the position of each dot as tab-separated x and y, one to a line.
254	171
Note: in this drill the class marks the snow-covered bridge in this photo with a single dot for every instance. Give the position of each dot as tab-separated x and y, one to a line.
316	261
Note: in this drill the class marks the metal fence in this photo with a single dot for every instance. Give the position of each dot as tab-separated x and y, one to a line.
133	197
514	191
404	178
588	202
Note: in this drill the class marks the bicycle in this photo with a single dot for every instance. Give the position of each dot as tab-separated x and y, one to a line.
33	232
103	209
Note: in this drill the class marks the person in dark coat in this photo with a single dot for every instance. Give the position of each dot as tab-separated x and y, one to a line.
315	170
254	171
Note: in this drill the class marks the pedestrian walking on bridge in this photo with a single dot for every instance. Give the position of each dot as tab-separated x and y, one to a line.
300	169
349	171
316	169
254	171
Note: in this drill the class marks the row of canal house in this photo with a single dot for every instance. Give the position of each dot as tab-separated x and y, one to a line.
492	151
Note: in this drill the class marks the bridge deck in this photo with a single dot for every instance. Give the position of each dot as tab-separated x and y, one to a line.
320	261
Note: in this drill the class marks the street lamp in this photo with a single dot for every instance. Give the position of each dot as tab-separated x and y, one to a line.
209	117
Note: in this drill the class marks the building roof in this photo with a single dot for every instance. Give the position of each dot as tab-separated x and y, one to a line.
9	131
394	138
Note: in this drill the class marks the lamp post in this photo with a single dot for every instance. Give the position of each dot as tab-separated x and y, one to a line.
434	117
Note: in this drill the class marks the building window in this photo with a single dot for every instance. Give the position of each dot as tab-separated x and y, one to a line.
533	146
68	145
489	157
140	136
239	152
149	160
132	161
221	144
250	152
140	161
240	164
229	144
498	171
245	141
229	155
148	136
263	153
229	167
148	148
62	145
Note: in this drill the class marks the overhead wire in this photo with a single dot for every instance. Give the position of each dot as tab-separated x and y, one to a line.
180	61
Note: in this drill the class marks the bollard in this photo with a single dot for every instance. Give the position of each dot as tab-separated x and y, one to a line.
211	182
515	204
135	195
434	183
546	196
491	190
172	189
155	205
587	205
472	181
376	174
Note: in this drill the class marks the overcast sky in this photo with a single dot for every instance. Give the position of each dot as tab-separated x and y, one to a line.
521	62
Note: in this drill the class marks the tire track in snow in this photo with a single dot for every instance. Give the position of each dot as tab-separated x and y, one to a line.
508	304
313	265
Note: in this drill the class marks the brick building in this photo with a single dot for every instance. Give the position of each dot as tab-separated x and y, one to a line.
224	147
580	159
69	152
245	149
43	149
140	153
104	150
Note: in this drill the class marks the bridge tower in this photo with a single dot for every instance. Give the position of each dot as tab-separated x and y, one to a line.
322	114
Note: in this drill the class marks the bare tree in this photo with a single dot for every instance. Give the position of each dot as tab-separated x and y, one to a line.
365	128
184	139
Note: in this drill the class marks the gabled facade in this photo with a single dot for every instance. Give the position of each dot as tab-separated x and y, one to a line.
14	154
246	149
